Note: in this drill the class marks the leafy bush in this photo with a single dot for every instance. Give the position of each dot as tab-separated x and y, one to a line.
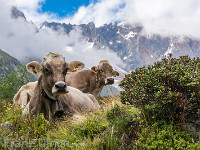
165	137
10	84
168	90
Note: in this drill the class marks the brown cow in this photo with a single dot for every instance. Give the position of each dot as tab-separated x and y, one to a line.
92	81
23	96
49	96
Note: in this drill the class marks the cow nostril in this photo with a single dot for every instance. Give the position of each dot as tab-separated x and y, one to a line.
57	86
60	85
110	79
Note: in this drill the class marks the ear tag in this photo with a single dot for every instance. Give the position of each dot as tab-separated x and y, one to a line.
34	70
75	69
114	75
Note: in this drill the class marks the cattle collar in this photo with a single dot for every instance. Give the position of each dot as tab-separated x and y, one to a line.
44	94
59	108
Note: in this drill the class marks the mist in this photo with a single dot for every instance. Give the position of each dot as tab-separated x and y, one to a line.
169	17
22	39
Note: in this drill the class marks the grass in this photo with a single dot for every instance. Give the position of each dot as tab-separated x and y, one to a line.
114	126
98	130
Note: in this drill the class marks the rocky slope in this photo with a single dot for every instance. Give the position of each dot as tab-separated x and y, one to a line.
130	43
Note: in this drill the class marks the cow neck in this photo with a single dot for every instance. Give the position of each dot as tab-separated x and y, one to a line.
44	94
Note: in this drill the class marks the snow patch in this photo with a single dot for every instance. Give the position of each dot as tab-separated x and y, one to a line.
125	58
90	45
122	24
111	43
130	35
170	49
130	54
44	27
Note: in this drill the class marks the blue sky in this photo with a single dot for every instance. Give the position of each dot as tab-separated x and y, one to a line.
64	7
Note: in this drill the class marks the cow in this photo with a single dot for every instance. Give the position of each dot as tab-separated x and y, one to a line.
23	96
51	95
92	81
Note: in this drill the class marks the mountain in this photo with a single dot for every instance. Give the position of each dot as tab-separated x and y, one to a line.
130	42
16	13
7	64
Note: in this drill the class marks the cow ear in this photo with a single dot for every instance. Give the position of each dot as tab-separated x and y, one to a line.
75	65
34	67
115	73
94	68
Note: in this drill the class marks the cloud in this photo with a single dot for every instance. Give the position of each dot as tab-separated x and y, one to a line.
21	39
166	17
157	16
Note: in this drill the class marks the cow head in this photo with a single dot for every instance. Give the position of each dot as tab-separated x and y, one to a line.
105	72
52	73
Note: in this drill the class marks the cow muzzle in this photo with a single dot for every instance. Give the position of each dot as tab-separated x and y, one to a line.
59	88
109	81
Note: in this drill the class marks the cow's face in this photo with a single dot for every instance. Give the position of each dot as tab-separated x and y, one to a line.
52	76
105	72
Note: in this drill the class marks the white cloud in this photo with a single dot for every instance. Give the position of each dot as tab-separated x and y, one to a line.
157	16
26	4
21	39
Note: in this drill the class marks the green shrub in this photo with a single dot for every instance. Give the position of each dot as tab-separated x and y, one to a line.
10	84
164	138
168	90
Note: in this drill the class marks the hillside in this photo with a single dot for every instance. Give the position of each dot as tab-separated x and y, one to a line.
7	63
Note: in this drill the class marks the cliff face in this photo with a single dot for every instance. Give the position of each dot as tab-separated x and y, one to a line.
130	44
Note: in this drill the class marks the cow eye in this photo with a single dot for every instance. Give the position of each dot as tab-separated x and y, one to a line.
101	70
47	71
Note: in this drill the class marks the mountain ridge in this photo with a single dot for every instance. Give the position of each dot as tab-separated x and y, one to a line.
130	44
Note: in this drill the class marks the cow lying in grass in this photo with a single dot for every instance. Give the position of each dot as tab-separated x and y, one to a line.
23	96
92	81
51	95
